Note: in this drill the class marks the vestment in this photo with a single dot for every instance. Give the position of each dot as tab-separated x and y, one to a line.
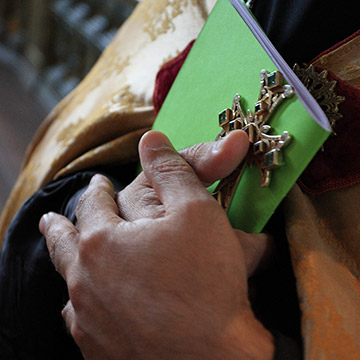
101	122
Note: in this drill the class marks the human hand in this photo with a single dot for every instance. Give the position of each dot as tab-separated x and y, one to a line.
210	161
166	286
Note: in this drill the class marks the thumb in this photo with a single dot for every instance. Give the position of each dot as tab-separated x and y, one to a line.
257	249
215	160
172	178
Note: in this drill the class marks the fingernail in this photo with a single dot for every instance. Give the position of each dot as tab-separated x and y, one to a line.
156	140
94	178
217	145
43	222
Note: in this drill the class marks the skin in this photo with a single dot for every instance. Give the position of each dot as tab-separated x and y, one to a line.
156	271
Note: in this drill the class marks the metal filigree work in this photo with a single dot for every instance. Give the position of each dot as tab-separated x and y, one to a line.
322	90
265	149
249	3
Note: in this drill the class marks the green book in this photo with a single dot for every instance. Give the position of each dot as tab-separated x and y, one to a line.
226	59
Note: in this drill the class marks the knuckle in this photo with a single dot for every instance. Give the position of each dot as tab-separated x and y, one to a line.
90	242
70	317
176	168
89	238
176	165
107	182
194	153
150	198
90	198
103	184
77	333
200	206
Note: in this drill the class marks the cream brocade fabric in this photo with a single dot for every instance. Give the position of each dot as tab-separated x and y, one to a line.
102	120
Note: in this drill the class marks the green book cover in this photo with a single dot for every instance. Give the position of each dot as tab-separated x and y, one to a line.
226	59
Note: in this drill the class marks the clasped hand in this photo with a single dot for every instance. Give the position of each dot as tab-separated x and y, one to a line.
156	271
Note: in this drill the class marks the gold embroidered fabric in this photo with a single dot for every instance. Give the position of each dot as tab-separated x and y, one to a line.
102	120
344	61
324	238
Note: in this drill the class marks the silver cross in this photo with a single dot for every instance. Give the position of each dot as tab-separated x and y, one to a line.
265	149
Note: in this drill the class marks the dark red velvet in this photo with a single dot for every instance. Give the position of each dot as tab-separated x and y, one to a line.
336	167
166	76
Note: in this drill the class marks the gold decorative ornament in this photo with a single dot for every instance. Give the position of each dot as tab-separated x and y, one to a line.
322	90
265	149
249	4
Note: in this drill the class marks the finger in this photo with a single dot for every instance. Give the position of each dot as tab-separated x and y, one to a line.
172	178
88	344
139	200
257	250
215	160
61	239
97	205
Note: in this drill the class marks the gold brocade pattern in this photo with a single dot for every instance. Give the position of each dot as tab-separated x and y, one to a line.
113	103
160	22
124	100
344	62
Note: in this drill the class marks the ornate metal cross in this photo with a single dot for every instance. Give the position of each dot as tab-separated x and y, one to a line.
265	149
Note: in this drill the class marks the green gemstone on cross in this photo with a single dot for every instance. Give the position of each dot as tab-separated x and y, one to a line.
269	159
272	159
272	79
223	119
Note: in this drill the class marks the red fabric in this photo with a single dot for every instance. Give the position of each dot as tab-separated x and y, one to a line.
336	167
166	76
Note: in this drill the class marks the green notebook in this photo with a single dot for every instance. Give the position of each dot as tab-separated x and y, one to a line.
226	59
